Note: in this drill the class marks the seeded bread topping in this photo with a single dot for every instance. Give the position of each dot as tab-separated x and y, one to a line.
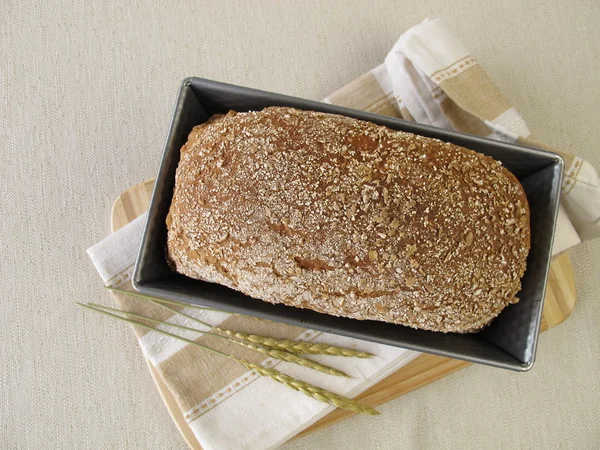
349	218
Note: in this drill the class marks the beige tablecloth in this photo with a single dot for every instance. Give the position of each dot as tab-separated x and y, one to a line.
86	94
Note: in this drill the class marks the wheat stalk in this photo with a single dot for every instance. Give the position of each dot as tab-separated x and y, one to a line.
289	346
273	353
312	391
298	347
307	389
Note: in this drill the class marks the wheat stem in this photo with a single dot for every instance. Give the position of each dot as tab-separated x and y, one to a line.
148	327
161	300
273	353
290	346
307	389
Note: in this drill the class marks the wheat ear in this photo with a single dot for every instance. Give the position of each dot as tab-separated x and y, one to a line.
307	389
298	347
312	391
273	353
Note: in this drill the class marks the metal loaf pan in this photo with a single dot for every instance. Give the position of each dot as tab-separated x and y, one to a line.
509	342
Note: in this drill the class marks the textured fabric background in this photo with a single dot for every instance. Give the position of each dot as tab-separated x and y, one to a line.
86	94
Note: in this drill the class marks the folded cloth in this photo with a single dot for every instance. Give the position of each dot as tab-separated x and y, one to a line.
429	77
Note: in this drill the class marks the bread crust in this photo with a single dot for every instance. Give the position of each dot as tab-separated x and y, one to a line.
349	218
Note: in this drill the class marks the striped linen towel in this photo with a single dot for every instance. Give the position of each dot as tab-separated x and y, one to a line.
429	77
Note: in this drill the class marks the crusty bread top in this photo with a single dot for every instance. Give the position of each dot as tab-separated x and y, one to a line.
349	218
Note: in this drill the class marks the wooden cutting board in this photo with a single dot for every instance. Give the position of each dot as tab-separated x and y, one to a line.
558	304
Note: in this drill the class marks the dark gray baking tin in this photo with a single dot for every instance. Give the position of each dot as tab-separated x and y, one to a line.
509	342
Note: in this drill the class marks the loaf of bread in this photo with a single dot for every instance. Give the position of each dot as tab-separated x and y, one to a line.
349	218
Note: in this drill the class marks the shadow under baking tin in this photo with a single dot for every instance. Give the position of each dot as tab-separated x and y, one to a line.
509	342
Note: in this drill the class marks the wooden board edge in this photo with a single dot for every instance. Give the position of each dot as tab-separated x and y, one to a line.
119	215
